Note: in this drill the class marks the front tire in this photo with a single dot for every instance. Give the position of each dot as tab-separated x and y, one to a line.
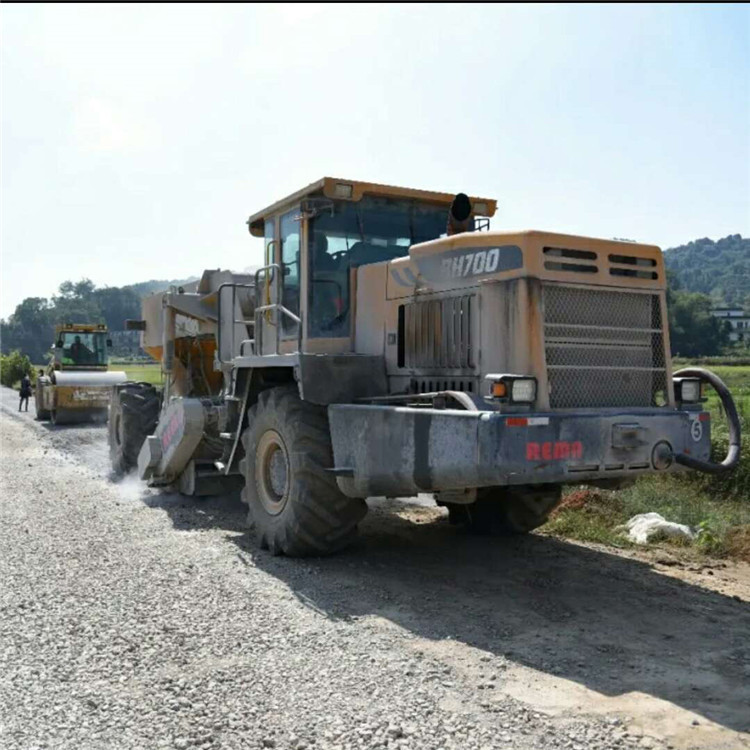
294	504
133	415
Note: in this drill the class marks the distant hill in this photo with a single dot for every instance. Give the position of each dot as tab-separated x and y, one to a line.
720	269
144	288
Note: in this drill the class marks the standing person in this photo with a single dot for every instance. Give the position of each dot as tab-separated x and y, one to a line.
25	392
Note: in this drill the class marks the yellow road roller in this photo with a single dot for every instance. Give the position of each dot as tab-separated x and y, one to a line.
75	387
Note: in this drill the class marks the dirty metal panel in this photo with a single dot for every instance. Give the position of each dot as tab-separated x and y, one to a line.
399	451
341	378
177	435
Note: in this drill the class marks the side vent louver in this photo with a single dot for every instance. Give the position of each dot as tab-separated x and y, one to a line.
630	261
437	334
585	262
567	259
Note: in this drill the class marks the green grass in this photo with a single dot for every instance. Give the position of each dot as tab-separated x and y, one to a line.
594	515
149	373
717	505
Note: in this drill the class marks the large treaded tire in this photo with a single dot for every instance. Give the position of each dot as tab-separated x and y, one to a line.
298	510
133	415
503	511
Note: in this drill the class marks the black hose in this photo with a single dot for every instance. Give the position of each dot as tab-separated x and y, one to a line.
735	437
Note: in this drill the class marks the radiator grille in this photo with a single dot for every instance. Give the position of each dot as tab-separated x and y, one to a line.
603	348
427	385
437	333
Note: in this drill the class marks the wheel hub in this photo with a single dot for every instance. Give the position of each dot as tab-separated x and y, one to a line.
272	472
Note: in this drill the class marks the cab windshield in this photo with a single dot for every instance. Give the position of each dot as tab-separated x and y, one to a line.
84	348
354	234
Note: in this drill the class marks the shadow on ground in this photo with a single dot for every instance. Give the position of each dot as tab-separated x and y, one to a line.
609	623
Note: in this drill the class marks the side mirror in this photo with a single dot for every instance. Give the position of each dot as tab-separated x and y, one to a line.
59	344
109	343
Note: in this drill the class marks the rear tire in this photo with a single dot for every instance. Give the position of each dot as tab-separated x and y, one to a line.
294	504
133	416
503	511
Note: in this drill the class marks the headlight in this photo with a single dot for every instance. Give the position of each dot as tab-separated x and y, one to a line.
687	390
523	390
517	389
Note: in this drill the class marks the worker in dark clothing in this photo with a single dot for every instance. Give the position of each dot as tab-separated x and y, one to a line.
80	353
25	392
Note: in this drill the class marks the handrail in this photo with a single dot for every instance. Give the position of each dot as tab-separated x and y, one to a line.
278	306
235	286
256	322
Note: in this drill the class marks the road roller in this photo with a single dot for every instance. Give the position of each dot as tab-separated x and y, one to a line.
75	387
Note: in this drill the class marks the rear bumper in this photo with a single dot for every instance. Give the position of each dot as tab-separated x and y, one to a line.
400	451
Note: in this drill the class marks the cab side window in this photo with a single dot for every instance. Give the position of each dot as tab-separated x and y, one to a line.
290	259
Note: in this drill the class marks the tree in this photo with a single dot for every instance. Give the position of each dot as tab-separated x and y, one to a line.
13	367
117	305
77	303
30	328
693	330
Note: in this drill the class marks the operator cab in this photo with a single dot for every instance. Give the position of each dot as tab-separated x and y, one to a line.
318	235
81	347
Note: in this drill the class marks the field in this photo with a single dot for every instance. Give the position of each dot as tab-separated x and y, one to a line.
718	506
148	373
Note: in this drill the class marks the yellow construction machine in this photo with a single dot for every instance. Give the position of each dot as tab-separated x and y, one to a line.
393	344
76	384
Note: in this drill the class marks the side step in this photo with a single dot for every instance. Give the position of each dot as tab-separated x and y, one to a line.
201	479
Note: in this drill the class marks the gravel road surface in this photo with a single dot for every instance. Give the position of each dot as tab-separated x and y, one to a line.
136	619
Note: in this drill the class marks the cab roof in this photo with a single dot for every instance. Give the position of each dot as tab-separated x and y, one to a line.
352	190
80	327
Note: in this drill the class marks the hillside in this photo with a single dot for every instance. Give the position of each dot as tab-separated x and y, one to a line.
143	288
720	269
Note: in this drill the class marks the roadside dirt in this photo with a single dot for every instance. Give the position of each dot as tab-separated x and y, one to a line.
656	646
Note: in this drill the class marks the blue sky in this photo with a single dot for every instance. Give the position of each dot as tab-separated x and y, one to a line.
137	139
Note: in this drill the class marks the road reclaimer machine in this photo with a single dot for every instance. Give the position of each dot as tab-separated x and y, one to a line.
76	385
392	344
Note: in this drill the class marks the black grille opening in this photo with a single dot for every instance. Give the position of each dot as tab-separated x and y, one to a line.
632	260
565	252
401	356
574	267
632	273
432	386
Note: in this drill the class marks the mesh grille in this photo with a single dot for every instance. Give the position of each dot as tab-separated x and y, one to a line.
603	348
438	333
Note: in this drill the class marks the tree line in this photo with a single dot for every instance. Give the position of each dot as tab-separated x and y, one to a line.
31	328
719	269
694	331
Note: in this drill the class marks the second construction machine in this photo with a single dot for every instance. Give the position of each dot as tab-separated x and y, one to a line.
392	345
76	385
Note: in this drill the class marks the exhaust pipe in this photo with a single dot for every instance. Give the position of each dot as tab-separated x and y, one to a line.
459	216
735	436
